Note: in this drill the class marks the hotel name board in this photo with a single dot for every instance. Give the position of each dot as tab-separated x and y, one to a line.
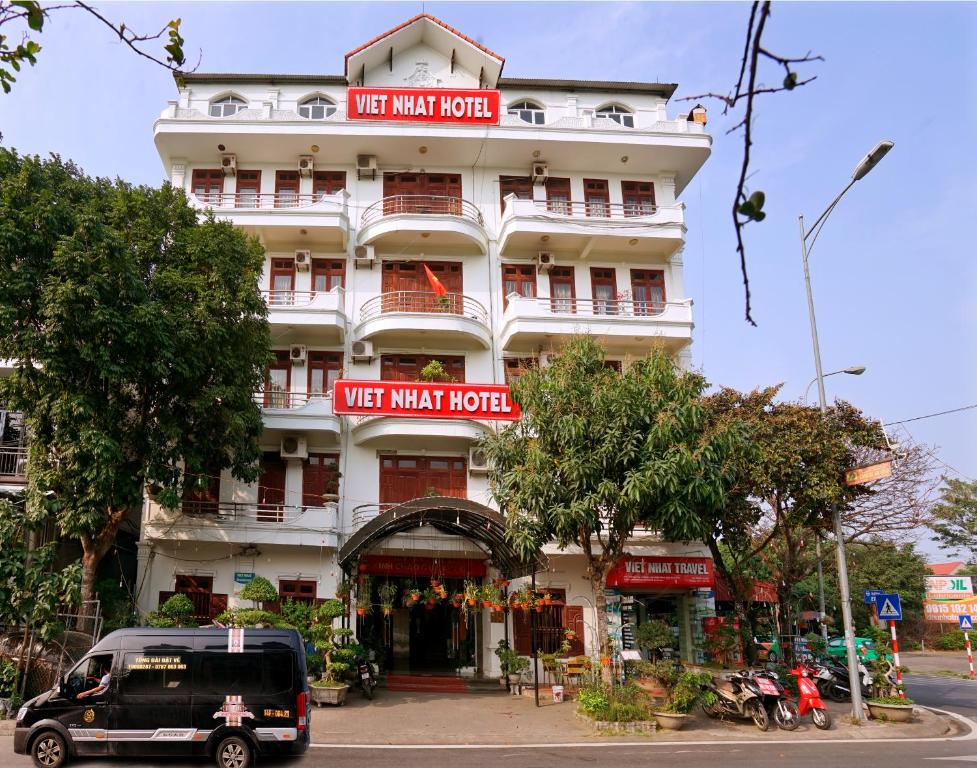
424	105
424	400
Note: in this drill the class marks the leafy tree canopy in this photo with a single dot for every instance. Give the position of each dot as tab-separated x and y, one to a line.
139	337
955	515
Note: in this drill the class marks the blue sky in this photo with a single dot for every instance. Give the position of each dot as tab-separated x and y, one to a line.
894	271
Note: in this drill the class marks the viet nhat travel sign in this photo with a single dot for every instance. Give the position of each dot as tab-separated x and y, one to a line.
424	400
647	571
423	105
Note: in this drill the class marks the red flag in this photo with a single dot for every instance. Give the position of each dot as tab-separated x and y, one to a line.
439	290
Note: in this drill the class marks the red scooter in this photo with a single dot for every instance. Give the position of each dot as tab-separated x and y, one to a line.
810	698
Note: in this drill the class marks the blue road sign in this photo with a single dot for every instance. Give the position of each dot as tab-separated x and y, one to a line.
966	622
888	606
868	595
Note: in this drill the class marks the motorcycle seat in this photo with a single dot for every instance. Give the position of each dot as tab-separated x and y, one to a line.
725	685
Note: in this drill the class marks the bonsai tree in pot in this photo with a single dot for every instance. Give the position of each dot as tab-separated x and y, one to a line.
177	611
329	688
887	701
260	590
684	691
653	636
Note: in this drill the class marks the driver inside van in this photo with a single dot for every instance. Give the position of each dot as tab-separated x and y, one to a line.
102	687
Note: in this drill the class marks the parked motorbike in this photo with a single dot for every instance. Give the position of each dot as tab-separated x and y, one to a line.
774	697
809	698
737	697
367	676
838	688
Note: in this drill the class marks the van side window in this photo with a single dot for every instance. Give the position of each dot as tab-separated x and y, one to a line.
234	673
155	673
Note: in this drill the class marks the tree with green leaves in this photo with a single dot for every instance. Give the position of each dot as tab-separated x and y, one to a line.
139	338
26	19
955	515
789	482
598	453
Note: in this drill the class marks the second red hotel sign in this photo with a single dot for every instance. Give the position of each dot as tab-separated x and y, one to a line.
424	400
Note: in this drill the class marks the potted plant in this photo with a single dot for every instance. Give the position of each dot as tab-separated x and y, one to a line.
260	590
684	691
430	597
653	636
329	689
343	590
387	594
891	708
473	593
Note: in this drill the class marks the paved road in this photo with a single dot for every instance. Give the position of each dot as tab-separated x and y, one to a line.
948	693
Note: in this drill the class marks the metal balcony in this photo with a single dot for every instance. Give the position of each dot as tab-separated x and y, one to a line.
13	464
424	221
297	411
409	318
308	317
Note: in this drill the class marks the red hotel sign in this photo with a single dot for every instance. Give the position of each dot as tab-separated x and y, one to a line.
662	572
422	567
424	400
423	105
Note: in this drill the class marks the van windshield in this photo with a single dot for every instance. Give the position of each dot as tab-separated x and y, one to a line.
90	679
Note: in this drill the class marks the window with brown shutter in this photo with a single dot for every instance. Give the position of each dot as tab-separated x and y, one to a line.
603	281
408	367
286	189
562	290
515	367
271	489
324	369
551	622
520	186
597	197
248	189
648	291
300	591
558	196
278	381
328	274
403	478
328	182
639	198
208	185
519	279
320	477
202	492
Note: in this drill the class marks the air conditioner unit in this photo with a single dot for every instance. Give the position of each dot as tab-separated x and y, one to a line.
545	359
544	261
297	353
294	447
541	172
229	165
478	461
302	260
362	351
306	163
364	255
366	165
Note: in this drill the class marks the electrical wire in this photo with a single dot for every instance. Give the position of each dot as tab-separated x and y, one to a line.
931	415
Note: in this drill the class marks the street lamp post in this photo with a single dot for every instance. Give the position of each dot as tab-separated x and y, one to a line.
867	164
853	370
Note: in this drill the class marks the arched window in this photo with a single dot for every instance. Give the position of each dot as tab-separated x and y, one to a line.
227	106
529	112
618	114
317	108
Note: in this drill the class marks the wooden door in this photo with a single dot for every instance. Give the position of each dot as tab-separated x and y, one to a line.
248	189
324	369
562	290
558	196
639	198
408	367
208	185
597	197
286	189
445	192
282	281
278	381
271	489
406	288
520	186
403	478
328	274
519	279
320	476
201	493
328	182
604	284
648	291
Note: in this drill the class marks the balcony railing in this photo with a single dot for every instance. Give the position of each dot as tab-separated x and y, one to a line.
13	462
299	299
241	512
280	399
364	513
596	307
425	302
597	210
261	200
421	205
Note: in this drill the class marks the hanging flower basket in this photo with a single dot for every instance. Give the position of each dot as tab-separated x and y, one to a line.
471	602
387	610
435	583
361	612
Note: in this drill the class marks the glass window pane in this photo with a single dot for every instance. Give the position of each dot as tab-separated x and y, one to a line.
154	674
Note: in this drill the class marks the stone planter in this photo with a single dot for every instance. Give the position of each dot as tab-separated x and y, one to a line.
670	721
335	696
894	713
638	726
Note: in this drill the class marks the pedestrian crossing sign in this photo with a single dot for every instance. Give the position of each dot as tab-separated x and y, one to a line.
966	623
889	607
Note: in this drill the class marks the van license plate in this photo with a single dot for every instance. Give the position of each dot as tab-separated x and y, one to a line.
365	675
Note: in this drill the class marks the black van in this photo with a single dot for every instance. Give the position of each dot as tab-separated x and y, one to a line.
230	694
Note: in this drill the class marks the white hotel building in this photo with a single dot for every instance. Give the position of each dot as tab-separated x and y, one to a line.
545	208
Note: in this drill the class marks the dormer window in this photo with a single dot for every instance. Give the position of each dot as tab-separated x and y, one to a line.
528	112
227	106
621	115
317	108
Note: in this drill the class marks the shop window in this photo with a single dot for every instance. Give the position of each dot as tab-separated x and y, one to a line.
299	591
227	106
617	113
519	279
317	108
320	478
528	112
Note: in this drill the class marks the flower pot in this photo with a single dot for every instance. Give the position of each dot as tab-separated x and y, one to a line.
605	661
502	682
361	612
334	696
387	611
670	721
471	601
435	583
894	713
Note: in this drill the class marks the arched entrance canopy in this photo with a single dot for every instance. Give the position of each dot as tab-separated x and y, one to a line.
461	517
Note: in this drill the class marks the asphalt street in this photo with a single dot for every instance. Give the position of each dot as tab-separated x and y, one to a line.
948	693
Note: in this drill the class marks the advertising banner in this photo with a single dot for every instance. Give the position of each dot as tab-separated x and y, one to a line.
948	611
424	105
949	587
422	567
424	400
645	572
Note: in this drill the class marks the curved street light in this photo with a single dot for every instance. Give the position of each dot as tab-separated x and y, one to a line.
854	370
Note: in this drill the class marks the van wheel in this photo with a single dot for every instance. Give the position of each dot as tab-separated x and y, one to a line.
234	752
49	750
